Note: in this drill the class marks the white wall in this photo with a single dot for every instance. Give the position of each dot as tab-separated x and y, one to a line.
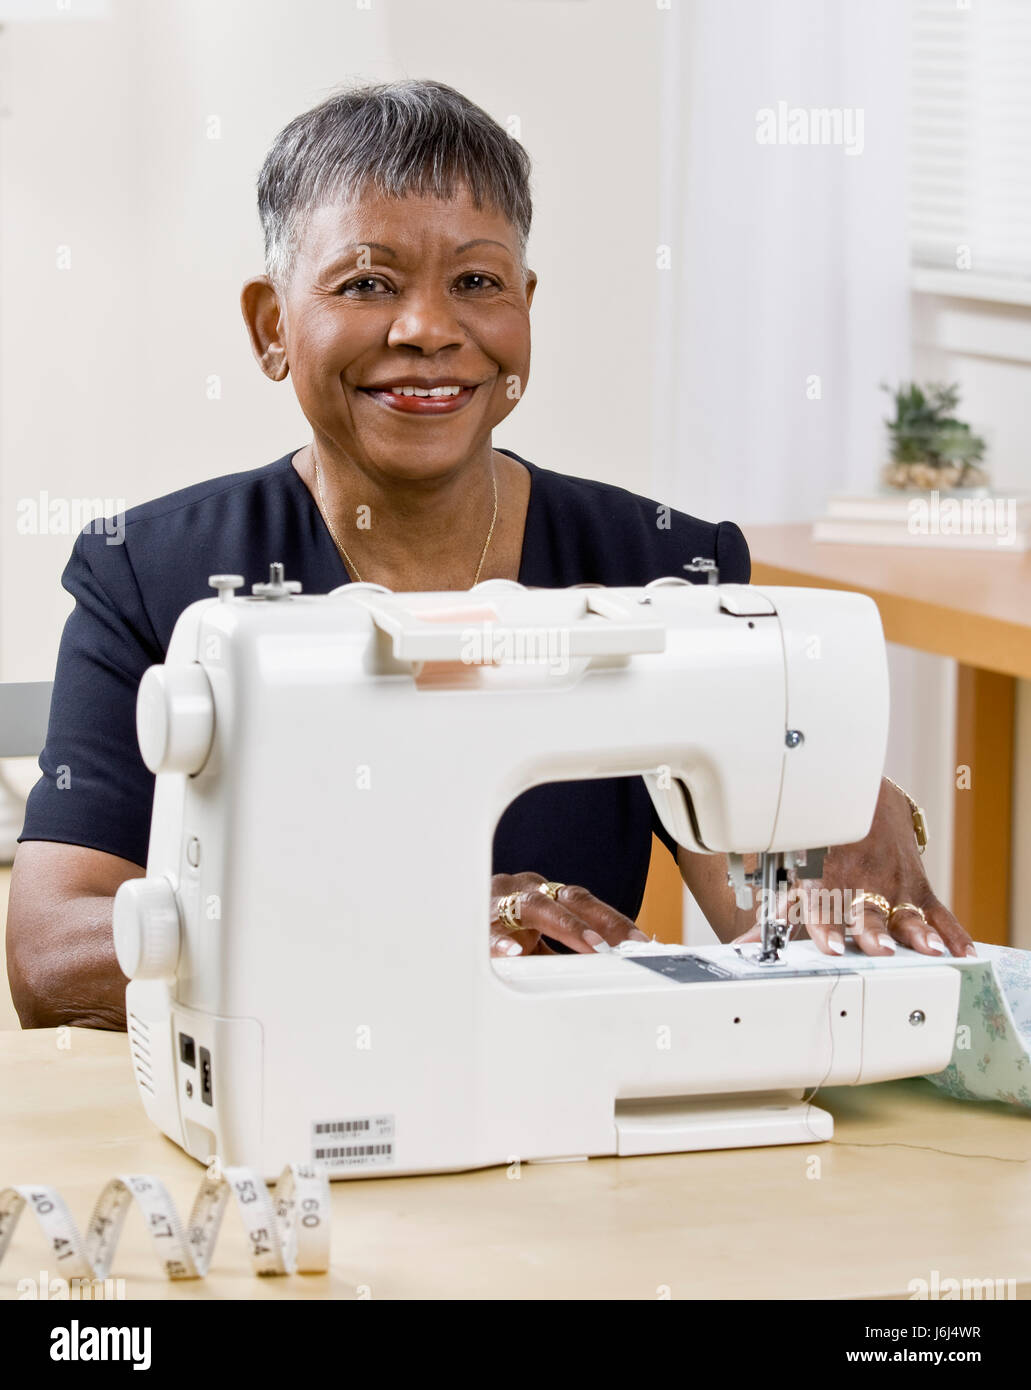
105	149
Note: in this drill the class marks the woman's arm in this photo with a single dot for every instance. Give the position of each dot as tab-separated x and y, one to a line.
706	877
60	948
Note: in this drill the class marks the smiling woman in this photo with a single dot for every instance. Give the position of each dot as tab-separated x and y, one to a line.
396	297
397	294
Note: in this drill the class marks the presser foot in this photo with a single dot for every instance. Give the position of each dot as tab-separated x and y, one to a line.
773	941
773	935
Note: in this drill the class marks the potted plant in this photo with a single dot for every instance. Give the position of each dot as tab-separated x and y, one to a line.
930	447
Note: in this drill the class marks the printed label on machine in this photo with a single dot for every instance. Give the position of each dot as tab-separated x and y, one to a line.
365	1141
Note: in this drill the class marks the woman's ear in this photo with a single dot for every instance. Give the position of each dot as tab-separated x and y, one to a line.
531	285
264	318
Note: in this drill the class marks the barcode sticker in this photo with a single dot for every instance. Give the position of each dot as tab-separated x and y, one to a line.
365	1141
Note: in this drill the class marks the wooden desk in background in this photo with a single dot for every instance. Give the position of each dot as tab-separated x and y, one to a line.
973	606
745	1223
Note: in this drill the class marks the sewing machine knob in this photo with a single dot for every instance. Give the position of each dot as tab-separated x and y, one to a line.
146	927
226	584
175	718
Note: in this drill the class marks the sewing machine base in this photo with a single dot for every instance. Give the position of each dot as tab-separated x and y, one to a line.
689	1125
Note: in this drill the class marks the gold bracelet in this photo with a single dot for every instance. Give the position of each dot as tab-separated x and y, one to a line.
919	819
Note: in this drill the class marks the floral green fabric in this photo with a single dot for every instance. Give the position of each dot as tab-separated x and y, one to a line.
991	1058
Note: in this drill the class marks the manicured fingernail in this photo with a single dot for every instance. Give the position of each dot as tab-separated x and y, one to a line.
970	951
885	942
593	939
835	944
510	948
636	935
934	943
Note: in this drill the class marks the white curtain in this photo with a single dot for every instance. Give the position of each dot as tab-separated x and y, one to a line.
788	262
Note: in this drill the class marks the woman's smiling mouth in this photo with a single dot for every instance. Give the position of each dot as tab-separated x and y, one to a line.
423	397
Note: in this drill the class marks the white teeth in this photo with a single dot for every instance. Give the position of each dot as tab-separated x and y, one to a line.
419	391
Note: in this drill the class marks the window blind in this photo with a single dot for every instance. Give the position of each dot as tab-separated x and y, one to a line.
970	137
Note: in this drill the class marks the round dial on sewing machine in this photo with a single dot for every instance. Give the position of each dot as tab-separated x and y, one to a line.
175	718
146	927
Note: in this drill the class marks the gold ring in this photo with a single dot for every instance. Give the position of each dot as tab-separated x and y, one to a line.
507	911
876	899
908	907
550	890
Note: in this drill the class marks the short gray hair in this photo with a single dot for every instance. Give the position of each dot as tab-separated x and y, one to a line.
399	138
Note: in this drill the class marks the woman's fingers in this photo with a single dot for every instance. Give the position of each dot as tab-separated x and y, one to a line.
601	920
508	943
574	917
811	909
870	932
808	908
829	937
512	936
868	928
956	937
940	935
561	922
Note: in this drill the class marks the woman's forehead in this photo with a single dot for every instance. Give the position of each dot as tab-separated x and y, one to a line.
403	225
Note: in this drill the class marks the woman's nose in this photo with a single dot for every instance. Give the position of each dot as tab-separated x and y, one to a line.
426	322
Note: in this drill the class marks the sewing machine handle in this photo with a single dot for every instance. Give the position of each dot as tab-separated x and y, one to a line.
608	626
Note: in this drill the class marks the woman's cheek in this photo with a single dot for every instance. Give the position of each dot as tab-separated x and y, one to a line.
507	395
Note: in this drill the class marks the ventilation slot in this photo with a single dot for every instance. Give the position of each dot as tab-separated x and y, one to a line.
139	1038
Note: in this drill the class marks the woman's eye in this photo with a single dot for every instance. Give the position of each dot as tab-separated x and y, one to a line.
475	280
367	284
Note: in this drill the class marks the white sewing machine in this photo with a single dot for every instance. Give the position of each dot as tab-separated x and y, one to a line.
308	954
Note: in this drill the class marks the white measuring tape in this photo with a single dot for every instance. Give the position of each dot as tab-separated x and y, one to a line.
288	1229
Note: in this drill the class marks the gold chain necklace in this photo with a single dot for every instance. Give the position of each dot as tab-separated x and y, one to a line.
351	565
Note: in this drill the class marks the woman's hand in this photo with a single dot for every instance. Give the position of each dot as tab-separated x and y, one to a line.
574	917
887	862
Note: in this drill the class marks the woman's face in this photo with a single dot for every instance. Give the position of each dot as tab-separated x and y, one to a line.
388	293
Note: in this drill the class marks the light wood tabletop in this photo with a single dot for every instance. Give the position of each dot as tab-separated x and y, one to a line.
912	1184
973	605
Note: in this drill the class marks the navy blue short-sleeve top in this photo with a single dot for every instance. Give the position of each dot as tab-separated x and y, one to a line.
95	790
